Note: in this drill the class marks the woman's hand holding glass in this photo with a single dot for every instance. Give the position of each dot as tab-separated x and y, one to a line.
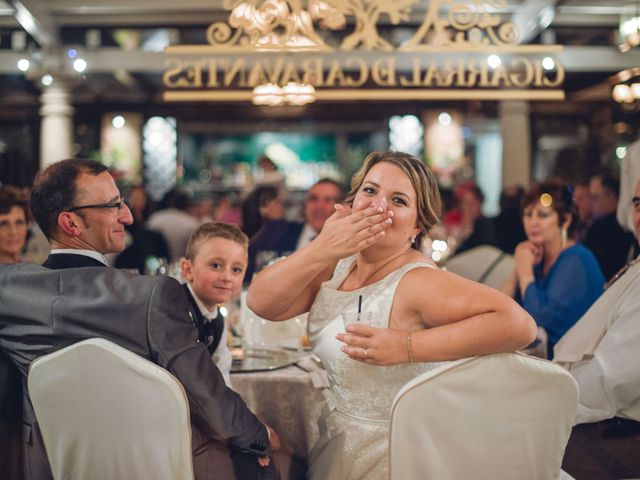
346	233
376	346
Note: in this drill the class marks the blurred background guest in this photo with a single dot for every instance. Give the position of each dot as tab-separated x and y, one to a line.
555	279
280	237
13	224
226	210
507	224
141	243
264	200
318	206
582	202
13	234
174	222
608	241
474	228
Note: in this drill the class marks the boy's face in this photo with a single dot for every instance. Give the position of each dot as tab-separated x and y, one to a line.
217	271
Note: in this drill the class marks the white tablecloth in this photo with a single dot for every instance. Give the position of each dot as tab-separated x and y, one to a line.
286	400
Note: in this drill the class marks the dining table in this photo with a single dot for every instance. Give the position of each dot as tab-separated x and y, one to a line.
287	393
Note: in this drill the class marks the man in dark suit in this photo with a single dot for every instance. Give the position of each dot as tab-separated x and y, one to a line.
282	237
608	241
74	296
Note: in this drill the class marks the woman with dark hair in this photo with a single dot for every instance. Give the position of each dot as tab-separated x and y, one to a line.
13	235
13	224
555	279
263	202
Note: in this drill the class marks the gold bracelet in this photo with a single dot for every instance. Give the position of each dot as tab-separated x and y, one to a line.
409	348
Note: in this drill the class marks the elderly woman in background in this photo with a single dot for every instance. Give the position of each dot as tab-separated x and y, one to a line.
13	235
13	224
555	279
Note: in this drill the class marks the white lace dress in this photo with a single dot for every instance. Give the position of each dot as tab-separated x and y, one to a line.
353	440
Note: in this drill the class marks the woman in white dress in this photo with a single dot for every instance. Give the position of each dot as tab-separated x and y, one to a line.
368	258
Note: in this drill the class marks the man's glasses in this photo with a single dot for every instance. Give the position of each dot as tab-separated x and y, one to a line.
118	205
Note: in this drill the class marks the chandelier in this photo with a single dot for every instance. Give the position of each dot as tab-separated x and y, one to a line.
292	93
626	89
630	26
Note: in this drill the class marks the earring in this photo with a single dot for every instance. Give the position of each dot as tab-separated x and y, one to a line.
413	240
563	239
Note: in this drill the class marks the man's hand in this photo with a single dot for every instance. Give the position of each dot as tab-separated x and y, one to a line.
274	441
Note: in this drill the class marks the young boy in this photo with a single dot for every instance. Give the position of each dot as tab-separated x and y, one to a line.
214	266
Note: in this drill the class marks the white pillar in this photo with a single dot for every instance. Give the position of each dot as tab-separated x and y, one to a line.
56	130
516	142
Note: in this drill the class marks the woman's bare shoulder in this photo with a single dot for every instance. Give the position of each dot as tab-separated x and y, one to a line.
418	257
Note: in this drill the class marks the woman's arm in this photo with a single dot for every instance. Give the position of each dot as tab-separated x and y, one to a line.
288	287
463	319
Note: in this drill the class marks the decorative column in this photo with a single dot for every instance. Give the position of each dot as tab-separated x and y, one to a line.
516	142
56	131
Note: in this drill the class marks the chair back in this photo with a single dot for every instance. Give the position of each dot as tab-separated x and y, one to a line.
503	415
107	413
484	264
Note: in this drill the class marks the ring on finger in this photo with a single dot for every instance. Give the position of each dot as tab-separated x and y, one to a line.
366	352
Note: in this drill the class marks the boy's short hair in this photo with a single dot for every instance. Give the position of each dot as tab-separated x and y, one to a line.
210	230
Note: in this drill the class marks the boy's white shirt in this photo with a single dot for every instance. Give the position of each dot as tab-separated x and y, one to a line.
222	355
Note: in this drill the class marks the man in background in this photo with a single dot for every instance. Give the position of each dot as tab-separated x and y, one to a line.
605	237
283	237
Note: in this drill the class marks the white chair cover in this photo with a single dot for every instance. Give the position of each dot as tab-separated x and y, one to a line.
500	416
107	413
485	264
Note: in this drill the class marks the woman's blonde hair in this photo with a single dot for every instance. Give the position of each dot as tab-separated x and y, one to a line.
429	205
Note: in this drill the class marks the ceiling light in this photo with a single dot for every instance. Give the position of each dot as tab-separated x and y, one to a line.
444	119
79	65
118	121
23	64
548	63
46	79
494	61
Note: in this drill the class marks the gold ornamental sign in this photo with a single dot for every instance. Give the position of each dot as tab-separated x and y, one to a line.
461	50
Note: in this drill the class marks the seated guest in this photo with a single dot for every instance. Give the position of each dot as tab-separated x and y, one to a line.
602	350
75	296
474	229
555	279
13	224
13	234
582	201
283	237
508	223
174	222
214	266
263	201
608	241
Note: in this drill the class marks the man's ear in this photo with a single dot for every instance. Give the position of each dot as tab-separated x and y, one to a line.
69	225
186	269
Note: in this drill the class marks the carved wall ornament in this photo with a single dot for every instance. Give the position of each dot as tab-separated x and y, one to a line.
336	44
